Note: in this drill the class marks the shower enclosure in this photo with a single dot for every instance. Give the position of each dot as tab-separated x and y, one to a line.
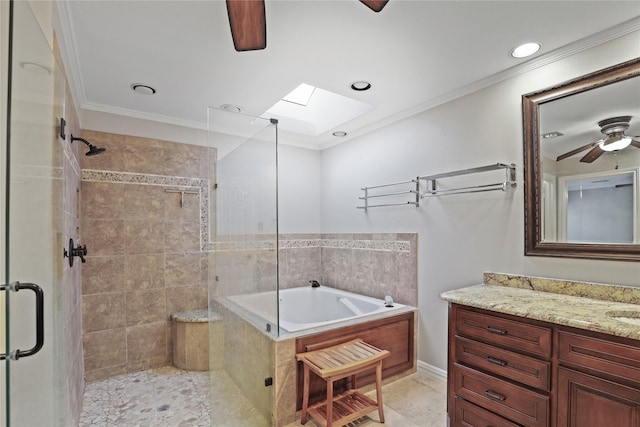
35	368
244	251
40	180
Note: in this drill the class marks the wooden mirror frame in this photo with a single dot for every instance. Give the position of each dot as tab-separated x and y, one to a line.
531	102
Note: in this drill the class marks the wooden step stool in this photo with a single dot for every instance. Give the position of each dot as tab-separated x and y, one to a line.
333	364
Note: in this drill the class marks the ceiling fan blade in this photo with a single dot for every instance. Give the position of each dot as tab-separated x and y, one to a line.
592	155
248	24
576	151
375	5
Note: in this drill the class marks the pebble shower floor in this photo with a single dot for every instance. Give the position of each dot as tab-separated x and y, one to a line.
170	397
167	397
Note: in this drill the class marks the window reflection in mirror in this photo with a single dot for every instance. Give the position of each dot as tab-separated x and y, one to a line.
598	208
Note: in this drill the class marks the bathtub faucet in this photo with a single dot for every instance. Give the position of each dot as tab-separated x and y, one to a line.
388	301
314	283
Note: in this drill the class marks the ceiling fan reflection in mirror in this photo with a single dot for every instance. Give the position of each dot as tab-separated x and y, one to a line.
248	22
614	140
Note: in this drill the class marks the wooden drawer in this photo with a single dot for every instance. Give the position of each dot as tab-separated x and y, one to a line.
613	358
510	333
518	367
516	403
469	415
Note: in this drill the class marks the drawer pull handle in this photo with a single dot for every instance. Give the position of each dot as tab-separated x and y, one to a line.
496	331
495	396
496	361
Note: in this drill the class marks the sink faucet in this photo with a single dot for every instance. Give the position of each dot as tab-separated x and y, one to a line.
314	283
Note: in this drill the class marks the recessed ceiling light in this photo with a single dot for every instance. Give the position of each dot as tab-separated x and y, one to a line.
142	89
526	49
360	85
231	108
340	133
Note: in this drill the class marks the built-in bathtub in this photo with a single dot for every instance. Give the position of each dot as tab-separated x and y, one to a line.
304	308
310	318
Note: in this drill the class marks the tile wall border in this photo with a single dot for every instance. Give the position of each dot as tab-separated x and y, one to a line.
369	245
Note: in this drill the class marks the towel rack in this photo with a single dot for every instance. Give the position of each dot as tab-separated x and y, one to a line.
432	189
413	192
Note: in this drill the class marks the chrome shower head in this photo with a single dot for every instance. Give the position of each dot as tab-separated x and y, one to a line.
93	150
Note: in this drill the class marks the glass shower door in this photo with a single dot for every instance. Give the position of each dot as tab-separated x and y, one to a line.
31	187
243	288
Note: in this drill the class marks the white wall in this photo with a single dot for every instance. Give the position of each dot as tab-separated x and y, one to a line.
462	236
300	182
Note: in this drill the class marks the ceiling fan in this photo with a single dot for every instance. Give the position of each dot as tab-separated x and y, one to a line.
248	22
614	139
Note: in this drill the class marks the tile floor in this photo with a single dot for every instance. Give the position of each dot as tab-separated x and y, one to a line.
169	397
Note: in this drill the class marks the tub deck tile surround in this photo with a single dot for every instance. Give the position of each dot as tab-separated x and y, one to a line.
279	352
577	304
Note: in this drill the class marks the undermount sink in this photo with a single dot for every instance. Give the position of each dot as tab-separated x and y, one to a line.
629	316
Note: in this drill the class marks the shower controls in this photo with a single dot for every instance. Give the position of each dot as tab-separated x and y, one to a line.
75	251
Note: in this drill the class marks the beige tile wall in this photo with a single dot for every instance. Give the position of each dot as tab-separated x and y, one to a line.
144	260
66	226
374	272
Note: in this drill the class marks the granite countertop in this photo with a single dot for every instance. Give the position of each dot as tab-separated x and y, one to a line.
577	304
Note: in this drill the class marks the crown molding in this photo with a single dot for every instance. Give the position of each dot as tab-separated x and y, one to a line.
563	52
68	51
145	116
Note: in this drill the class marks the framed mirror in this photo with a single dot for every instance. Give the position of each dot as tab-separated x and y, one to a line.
582	166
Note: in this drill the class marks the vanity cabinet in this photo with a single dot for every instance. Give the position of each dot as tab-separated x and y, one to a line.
598	380
500	370
588	401
511	371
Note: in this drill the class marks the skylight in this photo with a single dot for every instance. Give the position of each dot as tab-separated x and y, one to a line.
310	110
300	95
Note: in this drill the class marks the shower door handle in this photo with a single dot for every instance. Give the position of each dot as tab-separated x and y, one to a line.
15	287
